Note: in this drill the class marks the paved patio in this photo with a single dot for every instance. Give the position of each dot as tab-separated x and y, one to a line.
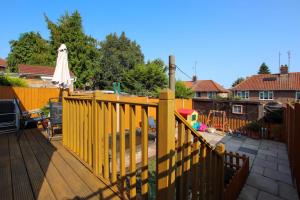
270	175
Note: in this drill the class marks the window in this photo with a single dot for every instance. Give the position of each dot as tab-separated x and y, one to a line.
298	95
243	94
237	109
193	117
197	94
266	95
210	95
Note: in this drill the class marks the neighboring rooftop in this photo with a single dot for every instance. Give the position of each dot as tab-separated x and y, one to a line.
205	86
289	81
33	69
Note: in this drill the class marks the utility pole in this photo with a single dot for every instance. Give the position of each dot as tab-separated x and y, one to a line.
279	58
172	68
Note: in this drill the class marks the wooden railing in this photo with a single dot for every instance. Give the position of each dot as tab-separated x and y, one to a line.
94	130
292	127
236	173
199	167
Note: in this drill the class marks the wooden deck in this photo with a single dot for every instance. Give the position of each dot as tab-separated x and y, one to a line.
32	168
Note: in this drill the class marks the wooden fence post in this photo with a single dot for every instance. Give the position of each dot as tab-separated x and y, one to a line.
220	149
64	117
165	163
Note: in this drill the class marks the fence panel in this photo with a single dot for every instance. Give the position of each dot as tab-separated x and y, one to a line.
30	98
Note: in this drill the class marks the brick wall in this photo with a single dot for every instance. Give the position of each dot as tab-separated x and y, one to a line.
252	110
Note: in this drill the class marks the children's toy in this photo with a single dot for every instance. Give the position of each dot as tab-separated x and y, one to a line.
191	116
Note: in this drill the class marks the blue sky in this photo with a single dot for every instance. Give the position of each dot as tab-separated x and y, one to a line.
227	38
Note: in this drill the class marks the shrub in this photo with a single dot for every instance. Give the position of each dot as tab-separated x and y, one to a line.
12	81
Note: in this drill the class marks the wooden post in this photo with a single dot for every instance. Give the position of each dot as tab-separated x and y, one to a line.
96	134
172	72
220	149
165	163
64	117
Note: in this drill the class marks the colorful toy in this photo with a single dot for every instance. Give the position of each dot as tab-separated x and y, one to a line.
191	116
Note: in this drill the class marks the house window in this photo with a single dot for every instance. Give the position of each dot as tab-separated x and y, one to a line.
266	95
243	94
298	95
197	94
211	95
237	109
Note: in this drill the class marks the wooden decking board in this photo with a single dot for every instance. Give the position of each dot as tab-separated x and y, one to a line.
39	183
57	183
5	172
75	183
20	181
31	168
100	190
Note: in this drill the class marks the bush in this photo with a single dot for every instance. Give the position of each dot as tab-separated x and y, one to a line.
12	81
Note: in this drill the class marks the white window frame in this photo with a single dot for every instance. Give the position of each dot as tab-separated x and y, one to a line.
245	96
265	95
213	94
297	94
240	106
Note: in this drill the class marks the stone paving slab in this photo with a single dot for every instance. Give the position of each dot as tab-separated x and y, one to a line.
287	192
248	193
270	174
266	196
262	183
278	176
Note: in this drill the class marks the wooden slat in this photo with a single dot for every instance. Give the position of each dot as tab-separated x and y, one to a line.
122	149
144	174
114	142
99	189
101	136
40	185
179	168
85	144
195	168
76	185
21	184
106	140
132	144
57	183
81	130
203	173
187	162
5	170
90	138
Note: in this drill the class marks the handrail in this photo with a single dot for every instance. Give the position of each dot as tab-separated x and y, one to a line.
193	131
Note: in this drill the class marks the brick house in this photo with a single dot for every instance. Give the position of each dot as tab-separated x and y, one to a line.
2	65
35	76
282	87
206	89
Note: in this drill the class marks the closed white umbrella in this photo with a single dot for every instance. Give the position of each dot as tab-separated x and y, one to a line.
61	75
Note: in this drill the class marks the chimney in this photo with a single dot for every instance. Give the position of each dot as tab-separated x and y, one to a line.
284	69
194	78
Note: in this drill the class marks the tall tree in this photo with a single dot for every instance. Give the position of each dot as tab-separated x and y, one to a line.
118	55
146	79
83	53
181	91
30	49
264	69
237	81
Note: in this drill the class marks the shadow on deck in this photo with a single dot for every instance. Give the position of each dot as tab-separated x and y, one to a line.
32	168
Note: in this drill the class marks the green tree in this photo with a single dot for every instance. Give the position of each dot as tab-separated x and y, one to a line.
237	81
83	52
181	91
30	49
264	69
146	79
118	55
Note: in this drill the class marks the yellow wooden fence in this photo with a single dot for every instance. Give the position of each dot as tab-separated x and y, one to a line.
94	130
30	98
